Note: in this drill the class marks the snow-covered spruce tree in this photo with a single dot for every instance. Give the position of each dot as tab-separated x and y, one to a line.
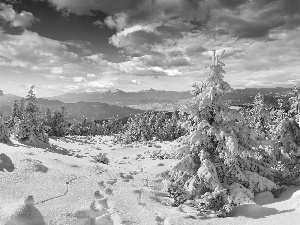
4	130
285	140
59	123
15	114
258	116
30	127
48	121
221	163
294	102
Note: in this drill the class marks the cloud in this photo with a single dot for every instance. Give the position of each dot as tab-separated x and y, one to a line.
136	82
35	52
137	39
243	28
232	4
79	79
23	19
57	70
195	49
95	57
116	22
99	84
99	24
54	77
174	72
76	43
91	75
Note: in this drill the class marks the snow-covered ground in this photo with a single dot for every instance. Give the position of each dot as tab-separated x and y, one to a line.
70	189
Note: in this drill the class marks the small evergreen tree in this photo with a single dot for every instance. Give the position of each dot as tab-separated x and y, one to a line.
259	116
15	110
294	102
59	123
30	128
285	140
4	131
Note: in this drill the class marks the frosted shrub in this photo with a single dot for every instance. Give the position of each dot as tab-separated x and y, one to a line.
216	201
220	151
101	158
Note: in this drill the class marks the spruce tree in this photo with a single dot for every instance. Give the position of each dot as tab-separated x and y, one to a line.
15	110
285	142
30	128
4	130
259	116
59	122
221	163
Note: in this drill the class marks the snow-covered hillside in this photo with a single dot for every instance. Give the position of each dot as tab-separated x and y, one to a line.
68	188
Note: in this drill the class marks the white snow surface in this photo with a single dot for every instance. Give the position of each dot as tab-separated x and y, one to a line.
70	189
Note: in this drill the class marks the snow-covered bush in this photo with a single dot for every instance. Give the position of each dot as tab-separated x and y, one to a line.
101	158
30	127
160	154
221	152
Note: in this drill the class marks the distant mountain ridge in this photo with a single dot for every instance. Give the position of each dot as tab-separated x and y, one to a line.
102	105
79	110
151	98
123	98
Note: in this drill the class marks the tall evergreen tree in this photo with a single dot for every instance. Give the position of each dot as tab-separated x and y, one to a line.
221	160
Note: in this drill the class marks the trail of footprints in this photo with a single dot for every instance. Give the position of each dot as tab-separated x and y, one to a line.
100	212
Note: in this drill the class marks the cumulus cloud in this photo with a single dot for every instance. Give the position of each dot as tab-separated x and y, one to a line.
23	19
99	24
76	43
57	70
136	39
95	57
91	75
169	39
99	84
174	72
32	50
79	79
117	22
86	7
136	82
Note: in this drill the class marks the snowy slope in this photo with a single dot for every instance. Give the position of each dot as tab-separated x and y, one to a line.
70	189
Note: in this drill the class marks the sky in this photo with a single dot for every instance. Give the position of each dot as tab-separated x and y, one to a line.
66	46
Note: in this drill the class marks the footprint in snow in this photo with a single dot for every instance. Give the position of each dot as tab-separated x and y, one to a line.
126	176
111	181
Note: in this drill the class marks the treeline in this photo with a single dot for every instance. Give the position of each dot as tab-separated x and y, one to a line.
27	123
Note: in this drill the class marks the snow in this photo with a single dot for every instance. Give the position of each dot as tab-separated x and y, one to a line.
69	189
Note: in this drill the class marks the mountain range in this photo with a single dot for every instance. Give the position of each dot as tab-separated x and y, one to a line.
102	105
